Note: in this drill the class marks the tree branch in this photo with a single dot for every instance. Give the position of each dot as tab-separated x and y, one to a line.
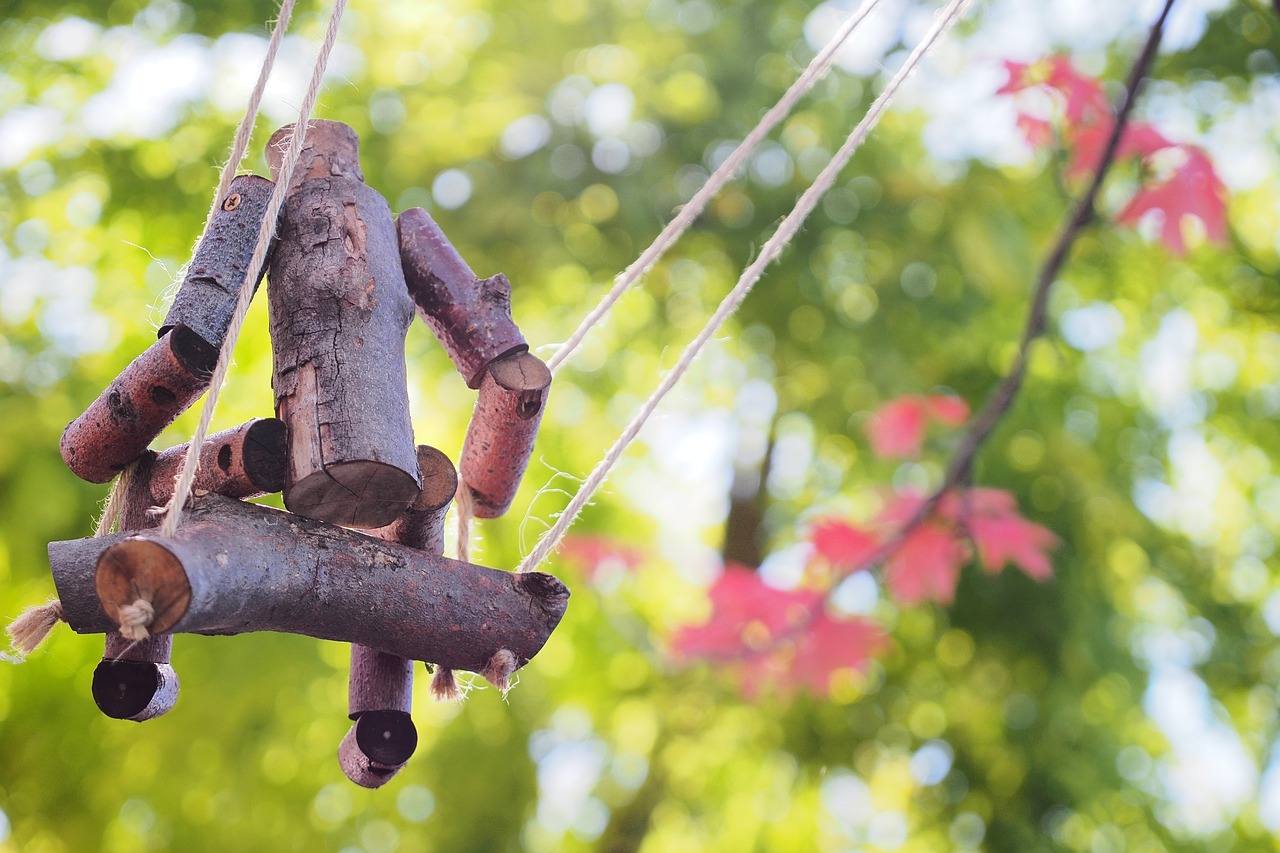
1001	399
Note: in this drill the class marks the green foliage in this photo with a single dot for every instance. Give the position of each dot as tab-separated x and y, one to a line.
912	278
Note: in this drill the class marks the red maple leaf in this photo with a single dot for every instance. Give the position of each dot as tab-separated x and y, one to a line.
1037	131
746	617
1193	189
1083	98
842	545
1002	535
831	645
1139	139
947	409
896	430
1018	78
927	564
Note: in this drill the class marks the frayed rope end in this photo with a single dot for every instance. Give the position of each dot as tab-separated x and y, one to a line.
444	686
499	668
29	630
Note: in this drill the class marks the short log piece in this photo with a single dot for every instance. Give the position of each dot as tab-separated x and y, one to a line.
502	431
376	747
243	462
134	681
471	317
340	312
235	567
146	397
380	693
218	269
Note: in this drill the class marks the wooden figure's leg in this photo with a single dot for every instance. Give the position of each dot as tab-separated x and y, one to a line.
340	311
381	685
134	680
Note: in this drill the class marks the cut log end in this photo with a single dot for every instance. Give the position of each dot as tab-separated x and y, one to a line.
376	747
142	570
439	479
266	454
386	737
134	690
525	374
359	494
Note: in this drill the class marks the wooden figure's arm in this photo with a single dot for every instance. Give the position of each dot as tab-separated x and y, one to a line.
146	397
209	291
472	319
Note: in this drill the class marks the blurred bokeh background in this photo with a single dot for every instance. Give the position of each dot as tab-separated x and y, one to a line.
1127	704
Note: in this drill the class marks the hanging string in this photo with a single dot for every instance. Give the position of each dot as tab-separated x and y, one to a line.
772	249
816	70
185	480
692	209
239	144
110	518
462	505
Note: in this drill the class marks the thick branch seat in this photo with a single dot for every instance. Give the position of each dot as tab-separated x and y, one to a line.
235	567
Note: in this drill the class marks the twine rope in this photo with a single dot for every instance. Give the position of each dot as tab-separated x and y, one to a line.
691	210
771	250
674	230
186	477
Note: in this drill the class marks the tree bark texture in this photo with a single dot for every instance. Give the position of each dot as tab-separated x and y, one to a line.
380	689
502	431
146	397
235	567
207	298
471	317
339	315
